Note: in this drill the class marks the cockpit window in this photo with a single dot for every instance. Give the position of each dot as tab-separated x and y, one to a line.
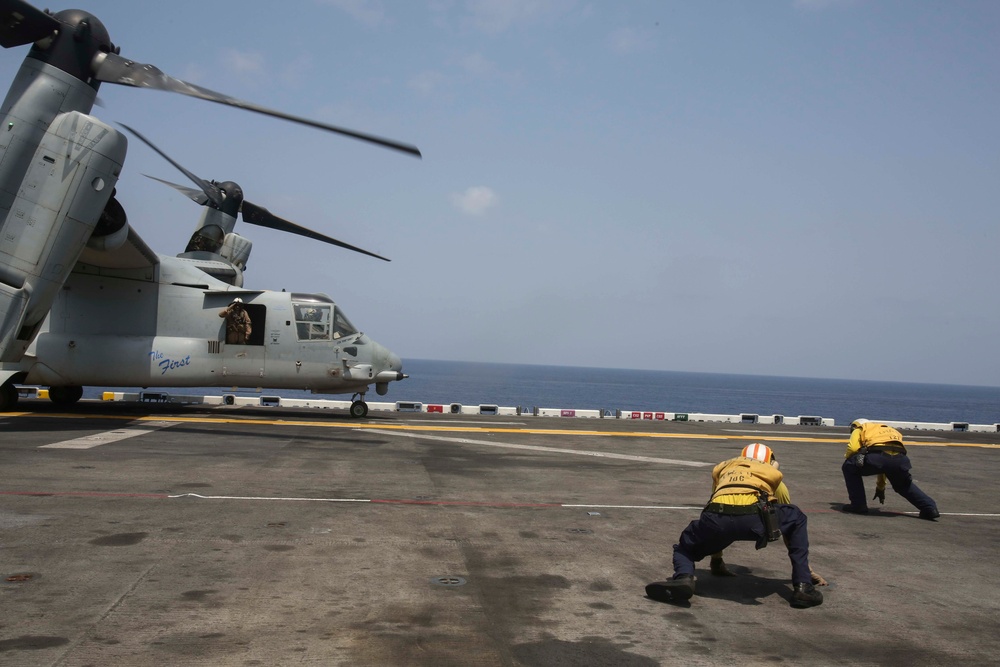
312	321
341	325
321	321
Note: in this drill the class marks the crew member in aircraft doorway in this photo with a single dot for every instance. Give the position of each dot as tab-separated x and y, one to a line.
237	322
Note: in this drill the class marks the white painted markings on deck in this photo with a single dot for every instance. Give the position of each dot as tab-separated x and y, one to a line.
501	504
98	439
539	448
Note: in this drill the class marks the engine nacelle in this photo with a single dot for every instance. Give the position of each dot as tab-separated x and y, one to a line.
236	250
65	188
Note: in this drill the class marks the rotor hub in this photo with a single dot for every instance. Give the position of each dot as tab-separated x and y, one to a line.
233	197
72	46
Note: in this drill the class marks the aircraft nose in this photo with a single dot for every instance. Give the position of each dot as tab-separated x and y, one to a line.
393	373
395	363
388	364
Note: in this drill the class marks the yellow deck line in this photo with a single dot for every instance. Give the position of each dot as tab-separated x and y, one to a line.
485	429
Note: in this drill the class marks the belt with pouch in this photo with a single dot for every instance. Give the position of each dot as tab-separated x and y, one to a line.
732	510
891	449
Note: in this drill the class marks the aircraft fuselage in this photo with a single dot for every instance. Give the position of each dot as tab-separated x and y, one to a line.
117	328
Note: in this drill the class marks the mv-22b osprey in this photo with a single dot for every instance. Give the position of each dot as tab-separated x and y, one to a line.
84	301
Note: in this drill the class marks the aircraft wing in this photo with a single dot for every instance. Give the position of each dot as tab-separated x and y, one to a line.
133	254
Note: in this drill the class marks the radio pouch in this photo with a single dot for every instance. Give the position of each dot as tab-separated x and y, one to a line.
769	517
859	458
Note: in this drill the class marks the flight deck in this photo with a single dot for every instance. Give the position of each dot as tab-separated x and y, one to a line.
136	534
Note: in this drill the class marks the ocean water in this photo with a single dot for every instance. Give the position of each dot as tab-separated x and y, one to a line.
529	386
532	386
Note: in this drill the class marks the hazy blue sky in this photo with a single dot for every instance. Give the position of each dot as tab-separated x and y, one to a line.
795	187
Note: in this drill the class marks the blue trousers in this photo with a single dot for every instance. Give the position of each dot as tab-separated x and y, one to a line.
897	471
714	532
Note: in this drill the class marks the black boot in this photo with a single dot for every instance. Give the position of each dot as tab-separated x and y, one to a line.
806	595
930	514
678	589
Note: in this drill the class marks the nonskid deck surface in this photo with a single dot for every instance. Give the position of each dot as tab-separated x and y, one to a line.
158	534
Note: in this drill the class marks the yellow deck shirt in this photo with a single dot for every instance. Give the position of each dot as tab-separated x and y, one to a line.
871	434
740	481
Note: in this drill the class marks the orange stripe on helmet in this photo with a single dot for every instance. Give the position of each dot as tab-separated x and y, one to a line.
758	452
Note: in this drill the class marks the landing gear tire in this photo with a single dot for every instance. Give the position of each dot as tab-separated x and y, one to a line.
359	409
65	395
8	397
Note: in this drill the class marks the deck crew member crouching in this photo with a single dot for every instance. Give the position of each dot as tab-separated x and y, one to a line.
877	449
743	507
717	564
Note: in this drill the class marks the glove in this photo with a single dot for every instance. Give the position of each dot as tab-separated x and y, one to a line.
859	460
816	579
879	495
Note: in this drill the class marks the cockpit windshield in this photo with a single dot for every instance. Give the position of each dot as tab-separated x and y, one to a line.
341	325
321	321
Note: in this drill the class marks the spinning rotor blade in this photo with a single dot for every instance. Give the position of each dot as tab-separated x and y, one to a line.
22	23
113	68
197	196
213	194
78	43
258	215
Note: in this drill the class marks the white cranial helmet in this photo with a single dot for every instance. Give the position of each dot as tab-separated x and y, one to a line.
758	452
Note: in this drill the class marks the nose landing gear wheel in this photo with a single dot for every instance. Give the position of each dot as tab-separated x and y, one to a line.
8	397
359	409
65	395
